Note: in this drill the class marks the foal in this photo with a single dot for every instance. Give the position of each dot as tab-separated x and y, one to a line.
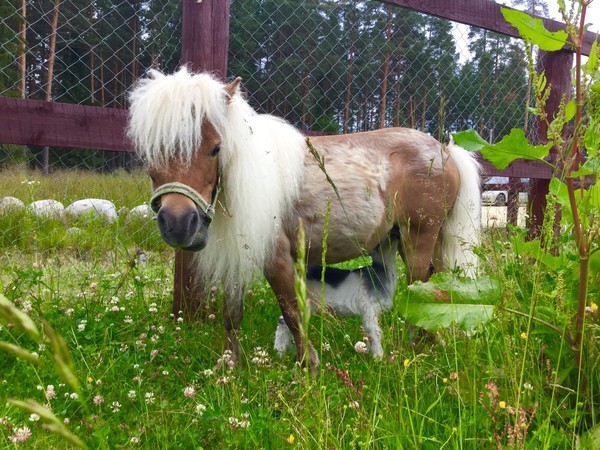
366	292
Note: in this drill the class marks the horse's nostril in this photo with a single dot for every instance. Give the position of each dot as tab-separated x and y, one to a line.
161	219
193	221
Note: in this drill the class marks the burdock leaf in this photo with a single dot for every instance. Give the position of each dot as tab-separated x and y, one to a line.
514	146
469	140
533	30
432	317
447	299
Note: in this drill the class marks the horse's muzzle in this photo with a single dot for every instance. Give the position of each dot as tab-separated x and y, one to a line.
186	229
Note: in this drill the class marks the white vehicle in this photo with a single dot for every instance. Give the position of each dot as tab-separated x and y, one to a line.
495	198
499	197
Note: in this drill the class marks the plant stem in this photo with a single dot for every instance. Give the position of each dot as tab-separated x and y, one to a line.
583	247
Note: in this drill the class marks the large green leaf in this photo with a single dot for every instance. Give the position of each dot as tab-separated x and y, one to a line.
432	317
514	146
590	167
446	299
591	66
533	249
587	200
469	140
592	138
591	439
533	30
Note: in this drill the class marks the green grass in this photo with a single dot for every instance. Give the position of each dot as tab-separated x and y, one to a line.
511	381
23	234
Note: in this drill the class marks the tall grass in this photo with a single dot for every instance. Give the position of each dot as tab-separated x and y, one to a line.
122	188
23	233
150	382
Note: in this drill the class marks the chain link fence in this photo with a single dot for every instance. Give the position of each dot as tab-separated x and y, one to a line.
347	66
327	66
87	53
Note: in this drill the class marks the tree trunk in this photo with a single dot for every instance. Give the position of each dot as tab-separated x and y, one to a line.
102	85
23	54
423	112
386	70
365	115
115	90
348	89
481	93
92	77
305	90
134	44
398	91
51	58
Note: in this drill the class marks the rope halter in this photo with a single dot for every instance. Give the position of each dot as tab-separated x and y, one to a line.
192	194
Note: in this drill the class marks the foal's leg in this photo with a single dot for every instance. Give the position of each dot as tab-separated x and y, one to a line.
233	311
280	275
370	324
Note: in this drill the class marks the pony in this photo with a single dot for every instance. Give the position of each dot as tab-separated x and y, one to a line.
365	292
233	186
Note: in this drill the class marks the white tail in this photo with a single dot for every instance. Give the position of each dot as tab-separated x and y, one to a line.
462	227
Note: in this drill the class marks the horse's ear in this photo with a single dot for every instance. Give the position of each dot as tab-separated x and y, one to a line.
232	88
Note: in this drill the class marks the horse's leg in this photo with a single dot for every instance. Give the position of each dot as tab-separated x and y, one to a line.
233	311
280	275
418	250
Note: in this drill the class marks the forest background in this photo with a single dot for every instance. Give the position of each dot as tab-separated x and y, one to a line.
326	66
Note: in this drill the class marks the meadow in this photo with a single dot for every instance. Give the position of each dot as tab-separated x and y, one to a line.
128	375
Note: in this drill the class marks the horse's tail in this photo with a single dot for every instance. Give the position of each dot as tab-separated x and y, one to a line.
460	232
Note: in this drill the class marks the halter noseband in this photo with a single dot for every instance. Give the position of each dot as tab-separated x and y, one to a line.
192	194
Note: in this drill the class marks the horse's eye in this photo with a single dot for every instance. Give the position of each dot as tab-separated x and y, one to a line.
215	151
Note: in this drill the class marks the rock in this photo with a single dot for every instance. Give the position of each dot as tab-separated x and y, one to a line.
103	208
8	204
140	212
46	208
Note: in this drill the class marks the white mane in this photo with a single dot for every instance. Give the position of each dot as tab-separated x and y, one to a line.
261	161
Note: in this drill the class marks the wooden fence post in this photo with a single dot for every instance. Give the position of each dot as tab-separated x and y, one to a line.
557	67
204	47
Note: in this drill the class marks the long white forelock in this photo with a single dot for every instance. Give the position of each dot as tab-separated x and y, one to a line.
166	114
261	160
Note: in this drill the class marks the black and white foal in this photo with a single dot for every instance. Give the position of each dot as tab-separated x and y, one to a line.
365	292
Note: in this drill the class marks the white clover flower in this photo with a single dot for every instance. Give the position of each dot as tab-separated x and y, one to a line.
360	347
149	396
189	392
